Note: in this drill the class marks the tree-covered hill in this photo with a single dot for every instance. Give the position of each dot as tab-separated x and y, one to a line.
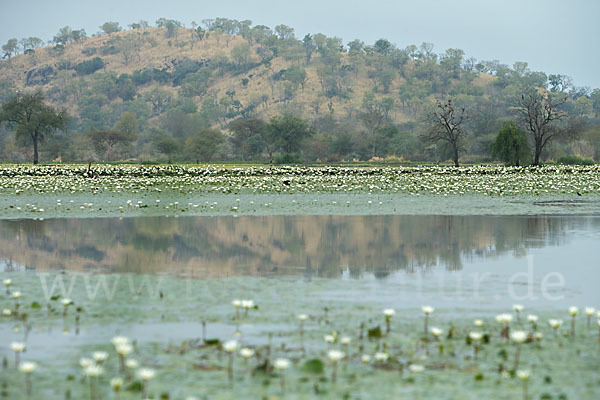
231	90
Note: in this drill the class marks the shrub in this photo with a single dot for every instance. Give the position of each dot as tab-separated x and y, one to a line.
288	158
574	160
90	66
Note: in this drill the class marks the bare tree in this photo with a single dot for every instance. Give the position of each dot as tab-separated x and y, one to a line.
540	115
446	122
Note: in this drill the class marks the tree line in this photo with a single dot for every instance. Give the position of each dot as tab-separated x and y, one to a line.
420	105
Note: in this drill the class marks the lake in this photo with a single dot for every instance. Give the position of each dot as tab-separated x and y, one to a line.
480	260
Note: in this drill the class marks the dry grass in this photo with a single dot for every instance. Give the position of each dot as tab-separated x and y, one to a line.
156	50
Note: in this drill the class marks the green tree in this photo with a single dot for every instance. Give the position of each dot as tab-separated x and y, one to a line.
511	144
128	124
167	145
241	54
246	133
296	75
33	118
110	27
109	142
288	132
10	48
204	144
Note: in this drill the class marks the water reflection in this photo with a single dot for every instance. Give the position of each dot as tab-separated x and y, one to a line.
321	246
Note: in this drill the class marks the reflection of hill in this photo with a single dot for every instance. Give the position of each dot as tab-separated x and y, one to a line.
319	245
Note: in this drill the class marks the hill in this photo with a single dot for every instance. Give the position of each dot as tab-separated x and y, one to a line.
180	81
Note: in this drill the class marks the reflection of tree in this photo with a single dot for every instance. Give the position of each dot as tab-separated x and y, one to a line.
304	245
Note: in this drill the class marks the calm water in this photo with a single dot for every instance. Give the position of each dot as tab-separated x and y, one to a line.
467	264
481	259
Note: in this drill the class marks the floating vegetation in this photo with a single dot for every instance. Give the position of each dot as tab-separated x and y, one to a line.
49	191
266	353
488	180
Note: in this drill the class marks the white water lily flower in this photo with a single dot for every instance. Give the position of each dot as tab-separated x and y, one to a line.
573	311
281	364
66	302
523	374
230	346
18	347
329	338
555	323
94	371
416	368
116	384
381	357
504	318
427	310
117	340
6	312
437	332
7	282
478	323
132	364
236	303
85	362
365	358
475	336
538	336
247	304
302	317
124	349
146	374
28	367
519	336
589	311
389	312
246	352
518	308
99	356
345	340
16	295
335	355
532	318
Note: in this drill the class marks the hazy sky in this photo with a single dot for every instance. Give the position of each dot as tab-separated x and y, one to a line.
554	36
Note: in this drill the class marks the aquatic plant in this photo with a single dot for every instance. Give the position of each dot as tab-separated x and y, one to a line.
116	384
302	318
475	340
247	305
504	320
281	364
18	348
388	313
66	302
335	356
573	311
146	375
427	310
519	338
93	372
524	377
237	304
28	368
555	324
518	308
589	312
230	348
532	319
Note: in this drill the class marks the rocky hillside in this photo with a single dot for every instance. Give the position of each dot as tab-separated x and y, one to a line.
177	81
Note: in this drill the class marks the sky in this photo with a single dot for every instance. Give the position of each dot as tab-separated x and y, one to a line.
554	36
